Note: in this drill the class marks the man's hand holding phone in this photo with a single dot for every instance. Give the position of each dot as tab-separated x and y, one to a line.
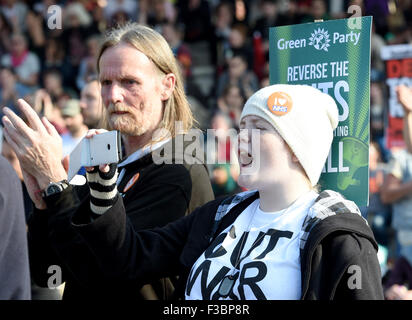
98	148
102	182
90	134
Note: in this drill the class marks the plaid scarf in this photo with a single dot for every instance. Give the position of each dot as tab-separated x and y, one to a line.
328	203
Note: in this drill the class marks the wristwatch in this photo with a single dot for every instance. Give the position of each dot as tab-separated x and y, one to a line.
55	187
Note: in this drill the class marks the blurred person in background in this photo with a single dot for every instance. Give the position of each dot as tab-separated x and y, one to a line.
239	44
53	84
397	186
292	13
25	62
404	95
377	64
5	32
173	34
91	104
231	102
119	18
222	20
221	124
224	168
398	191
223	181
377	115
264	72
379	9
161	12
269	18
196	16
73	120
35	31
87	66
44	106
96	10
16	12
77	27
317	11
11	89
129	7
399	282
398	22
53	55
377	213
238	74
41	8
54	58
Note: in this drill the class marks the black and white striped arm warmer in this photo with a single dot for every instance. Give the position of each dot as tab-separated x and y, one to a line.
103	189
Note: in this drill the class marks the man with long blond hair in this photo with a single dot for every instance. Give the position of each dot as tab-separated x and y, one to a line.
142	92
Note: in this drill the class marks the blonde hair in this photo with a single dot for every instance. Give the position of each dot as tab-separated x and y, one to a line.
155	47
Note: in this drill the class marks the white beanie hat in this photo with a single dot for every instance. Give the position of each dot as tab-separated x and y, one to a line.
305	118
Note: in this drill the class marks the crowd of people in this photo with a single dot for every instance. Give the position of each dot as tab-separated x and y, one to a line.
222	58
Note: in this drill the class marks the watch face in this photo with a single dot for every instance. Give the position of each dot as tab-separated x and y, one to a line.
53	189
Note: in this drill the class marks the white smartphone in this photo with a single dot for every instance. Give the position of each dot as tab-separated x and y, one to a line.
100	149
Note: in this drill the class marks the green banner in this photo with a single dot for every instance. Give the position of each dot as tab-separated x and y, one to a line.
333	56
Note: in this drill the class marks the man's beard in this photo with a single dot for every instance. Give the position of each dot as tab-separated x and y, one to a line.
125	123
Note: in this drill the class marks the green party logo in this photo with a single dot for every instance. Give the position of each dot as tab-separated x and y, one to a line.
320	39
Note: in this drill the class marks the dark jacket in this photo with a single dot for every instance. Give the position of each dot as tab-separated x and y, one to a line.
14	262
338	250
161	194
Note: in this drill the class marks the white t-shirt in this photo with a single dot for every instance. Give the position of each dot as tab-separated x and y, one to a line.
269	265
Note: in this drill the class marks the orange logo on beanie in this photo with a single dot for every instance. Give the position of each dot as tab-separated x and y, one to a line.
279	103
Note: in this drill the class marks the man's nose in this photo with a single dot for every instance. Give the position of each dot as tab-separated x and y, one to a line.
114	93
